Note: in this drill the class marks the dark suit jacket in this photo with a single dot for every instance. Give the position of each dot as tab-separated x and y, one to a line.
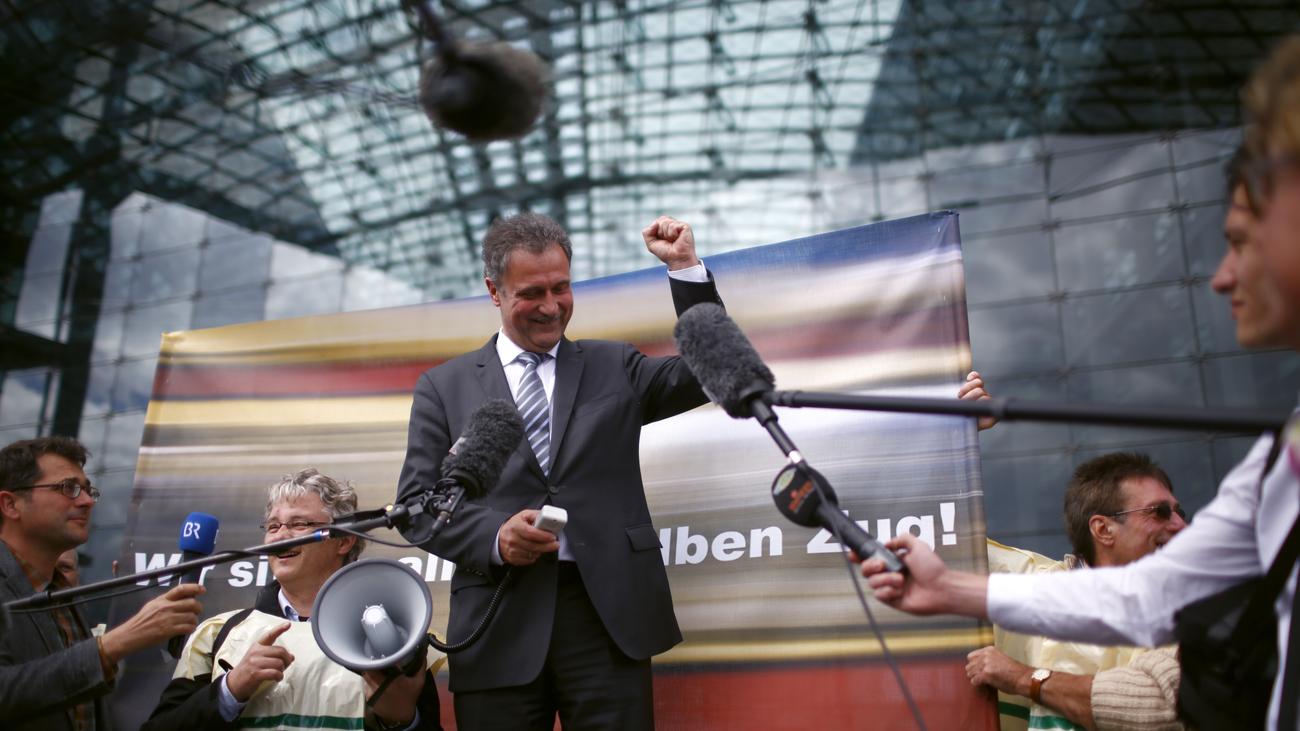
604	392
41	681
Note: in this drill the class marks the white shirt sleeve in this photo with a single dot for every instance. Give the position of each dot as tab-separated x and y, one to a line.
696	273
1135	604
496	550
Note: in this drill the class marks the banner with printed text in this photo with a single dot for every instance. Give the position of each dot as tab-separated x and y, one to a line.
775	636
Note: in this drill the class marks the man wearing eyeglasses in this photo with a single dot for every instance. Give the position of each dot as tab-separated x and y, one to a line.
262	668
53	672
1240	533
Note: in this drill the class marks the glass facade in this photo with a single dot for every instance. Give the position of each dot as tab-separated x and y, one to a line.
180	164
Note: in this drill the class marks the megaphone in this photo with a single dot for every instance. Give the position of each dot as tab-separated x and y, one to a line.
372	614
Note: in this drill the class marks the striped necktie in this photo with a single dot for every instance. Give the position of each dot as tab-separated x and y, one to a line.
534	408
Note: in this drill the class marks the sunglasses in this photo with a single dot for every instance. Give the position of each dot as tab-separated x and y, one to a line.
1161	511
71	488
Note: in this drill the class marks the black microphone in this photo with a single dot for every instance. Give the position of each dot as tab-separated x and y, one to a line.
471	468
735	377
198	538
485	91
476	460
816	506
728	368
723	360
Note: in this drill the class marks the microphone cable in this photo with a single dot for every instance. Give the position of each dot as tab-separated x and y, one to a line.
365	536
875	629
491	612
822	493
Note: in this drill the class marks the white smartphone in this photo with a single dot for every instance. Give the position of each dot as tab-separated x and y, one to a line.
551	519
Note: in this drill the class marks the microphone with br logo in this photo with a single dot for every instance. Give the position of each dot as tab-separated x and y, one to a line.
198	539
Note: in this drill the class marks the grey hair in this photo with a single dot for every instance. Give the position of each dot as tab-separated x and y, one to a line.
532	232
338	498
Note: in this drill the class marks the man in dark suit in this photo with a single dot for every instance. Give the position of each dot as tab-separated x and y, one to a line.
582	615
53	672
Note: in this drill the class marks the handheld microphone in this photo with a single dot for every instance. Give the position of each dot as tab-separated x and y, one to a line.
816	506
735	378
485	91
198	539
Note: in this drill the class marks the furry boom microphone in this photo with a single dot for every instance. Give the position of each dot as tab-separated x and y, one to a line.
485	91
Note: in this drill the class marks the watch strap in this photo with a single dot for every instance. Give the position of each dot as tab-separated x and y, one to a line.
1036	681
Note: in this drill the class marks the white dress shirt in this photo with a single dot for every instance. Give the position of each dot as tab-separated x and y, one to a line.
1232	539
508	352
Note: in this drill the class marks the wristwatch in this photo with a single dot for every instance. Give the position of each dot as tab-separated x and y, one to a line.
1036	680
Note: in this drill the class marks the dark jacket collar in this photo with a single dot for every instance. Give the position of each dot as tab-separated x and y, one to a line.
268	599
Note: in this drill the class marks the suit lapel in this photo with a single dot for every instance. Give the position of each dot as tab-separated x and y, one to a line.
492	377
490	374
17	583
568	374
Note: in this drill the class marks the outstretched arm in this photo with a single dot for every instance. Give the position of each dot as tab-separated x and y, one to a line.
929	586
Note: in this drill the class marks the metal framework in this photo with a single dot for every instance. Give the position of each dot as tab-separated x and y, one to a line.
297	118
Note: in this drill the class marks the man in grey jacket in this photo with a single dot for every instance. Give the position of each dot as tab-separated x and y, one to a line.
53	673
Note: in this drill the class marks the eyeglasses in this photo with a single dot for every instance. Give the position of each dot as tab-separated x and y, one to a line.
1161	511
294	526
71	488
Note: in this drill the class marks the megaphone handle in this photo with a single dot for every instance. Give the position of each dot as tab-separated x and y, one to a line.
416	664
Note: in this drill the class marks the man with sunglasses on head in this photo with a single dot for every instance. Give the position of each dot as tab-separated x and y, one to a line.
53	672
1241	532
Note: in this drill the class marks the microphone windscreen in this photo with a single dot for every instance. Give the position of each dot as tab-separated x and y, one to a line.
199	533
485	91
722	358
493	433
